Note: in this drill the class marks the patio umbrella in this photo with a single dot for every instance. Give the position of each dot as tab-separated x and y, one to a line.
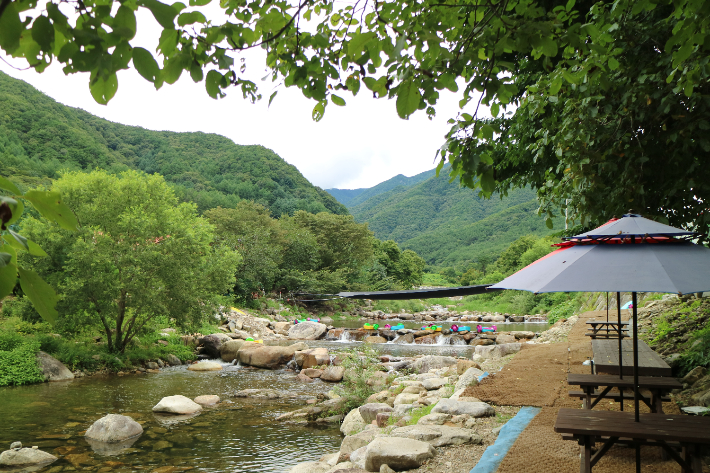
631	254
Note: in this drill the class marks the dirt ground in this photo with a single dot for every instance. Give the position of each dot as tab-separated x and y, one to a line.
537	376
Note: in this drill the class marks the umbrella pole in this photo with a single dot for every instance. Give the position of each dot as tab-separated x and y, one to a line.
636	359
621	360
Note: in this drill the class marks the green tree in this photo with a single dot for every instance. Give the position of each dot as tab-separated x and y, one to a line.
139	254
509	260
249	229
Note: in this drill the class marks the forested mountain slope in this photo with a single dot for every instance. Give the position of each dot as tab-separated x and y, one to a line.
353	197
449	225
39	137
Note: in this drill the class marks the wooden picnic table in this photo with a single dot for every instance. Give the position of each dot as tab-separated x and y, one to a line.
607	330
606	358
587	427
659	388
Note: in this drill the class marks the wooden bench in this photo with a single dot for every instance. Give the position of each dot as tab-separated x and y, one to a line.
590	384
606	358
617	397
607	330
666	431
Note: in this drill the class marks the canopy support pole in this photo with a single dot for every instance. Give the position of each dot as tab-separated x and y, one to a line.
636	359
621	362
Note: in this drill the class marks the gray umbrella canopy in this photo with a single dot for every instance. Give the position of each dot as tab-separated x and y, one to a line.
633	225
679	268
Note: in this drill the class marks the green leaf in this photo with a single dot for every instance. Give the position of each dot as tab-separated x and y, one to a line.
190	18
273	96
548	223
14	207
43	32
487	132
168	42
337	100
213	83
8	278
5	259
549	47
164	14
357	45
318	111
124	23
43	297
9	186
17	241
11	28
495	109
49	204
103	88
488	183
555	87
145	64
408	98
199	3
613	64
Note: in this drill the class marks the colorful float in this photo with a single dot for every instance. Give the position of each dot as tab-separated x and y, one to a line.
397	327
456	328
371	326
433	328
249	339
482	329
313	320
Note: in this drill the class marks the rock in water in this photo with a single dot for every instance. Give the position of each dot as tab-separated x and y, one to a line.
210	344
397	453
207	400
173	360
307	331
114	428
25	456
426	363
177	405
312	357
310	467
205	366
228	350
375	339
53	369
256	354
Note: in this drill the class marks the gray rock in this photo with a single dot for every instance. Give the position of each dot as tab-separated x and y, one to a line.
207	400
426	363
333	374
361	439
405	398
397	453
353	423
694	375
406	338
469	378
369	412
402	409
205	366
25	456
310	467
384	468
114	448
271	357
434	419
474	409
434	383
307	331
53	369
437	435
114	428
211	344
16	445
173	360
228	350
178	404
358	457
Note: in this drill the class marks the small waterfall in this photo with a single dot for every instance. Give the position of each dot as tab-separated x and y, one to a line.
345	337
443	340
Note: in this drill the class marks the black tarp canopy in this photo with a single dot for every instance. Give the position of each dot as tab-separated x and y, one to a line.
418	293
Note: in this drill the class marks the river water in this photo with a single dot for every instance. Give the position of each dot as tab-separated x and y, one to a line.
238	436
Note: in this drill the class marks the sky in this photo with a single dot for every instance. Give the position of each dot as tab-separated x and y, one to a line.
359	145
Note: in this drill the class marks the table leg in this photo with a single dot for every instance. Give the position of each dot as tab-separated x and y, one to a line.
656	402
585	463
588	390
695	462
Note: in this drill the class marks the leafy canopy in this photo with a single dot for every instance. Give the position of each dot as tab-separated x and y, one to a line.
564	66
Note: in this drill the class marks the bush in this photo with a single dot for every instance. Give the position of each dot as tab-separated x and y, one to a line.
562	311
360	364
698	351
19	364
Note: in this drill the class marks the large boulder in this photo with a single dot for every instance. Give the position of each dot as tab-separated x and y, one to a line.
426	363
25	456
228	350
261	356
282	328
333	374
361	439
210	344
309	358
453	407
375	339
205	366
114	428
353	423
505	338
207	400
307	331
406	338
437	435
405	398
53	369
464	365
177	405
469	378
369	411
173	360
434	383
398	453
